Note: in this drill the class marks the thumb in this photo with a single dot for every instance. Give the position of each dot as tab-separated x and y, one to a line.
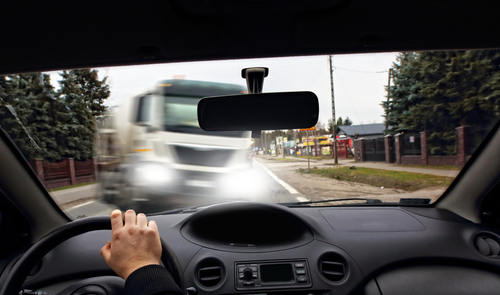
106	251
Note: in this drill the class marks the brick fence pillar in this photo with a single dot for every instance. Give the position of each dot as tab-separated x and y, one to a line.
39	169
398	145
424	154
461	145
387	144
72	176
362	150
94	163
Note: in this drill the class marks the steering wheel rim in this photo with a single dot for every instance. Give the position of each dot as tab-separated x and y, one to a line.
25	264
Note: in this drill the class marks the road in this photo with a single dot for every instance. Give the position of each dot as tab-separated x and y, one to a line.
260	181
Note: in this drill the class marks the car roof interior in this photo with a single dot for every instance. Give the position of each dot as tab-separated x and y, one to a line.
96	34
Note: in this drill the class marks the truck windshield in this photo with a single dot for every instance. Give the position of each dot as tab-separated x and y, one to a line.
180	115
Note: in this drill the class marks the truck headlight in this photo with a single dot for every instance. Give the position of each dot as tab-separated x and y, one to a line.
152	174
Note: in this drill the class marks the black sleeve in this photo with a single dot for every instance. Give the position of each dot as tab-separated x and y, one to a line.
151	279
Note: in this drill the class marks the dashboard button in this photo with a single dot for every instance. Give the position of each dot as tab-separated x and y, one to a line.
299	265
248	283
247	273
300	271
302	279
253	268
241	276
254	275
241	268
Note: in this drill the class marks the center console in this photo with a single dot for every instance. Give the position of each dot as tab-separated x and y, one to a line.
255	275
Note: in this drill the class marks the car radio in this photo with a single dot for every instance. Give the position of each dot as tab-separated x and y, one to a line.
272	274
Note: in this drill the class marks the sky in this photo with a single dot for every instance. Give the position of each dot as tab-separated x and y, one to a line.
359	80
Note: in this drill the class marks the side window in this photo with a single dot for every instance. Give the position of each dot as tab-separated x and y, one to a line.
144	109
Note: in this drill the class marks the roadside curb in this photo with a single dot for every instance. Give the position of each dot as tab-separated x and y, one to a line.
74	194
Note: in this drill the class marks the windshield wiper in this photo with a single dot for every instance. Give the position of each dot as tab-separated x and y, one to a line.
368	201
306	203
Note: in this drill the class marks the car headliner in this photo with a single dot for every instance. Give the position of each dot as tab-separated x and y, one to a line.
59	35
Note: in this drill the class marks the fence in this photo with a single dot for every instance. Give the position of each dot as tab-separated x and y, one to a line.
64	173
413	149
411	144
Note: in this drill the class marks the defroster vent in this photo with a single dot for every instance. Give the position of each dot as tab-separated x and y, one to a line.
332	267
210	272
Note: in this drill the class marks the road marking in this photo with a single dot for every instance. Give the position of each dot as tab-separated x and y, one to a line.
284	184
302	199
81	205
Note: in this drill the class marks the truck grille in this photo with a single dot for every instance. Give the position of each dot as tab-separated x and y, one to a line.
203	157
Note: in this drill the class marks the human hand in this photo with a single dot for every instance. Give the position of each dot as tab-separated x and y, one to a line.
133	245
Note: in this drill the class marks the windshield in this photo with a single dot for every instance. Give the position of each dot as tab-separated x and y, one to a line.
394	128
181	115
181	112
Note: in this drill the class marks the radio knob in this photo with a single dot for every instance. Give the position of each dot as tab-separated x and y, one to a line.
248	273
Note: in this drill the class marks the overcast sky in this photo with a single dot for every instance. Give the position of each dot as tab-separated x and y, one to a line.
359	80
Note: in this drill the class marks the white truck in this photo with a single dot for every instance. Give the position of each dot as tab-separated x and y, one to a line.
151	148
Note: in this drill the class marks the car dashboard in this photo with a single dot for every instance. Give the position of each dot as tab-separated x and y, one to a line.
260	248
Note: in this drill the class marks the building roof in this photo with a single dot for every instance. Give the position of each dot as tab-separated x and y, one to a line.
363	129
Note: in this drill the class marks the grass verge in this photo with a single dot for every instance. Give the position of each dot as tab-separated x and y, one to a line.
71	186
314	158
388	179
278	159
432	167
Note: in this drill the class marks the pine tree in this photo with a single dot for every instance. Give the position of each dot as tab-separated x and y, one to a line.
78	129
438	91
16	110
94	91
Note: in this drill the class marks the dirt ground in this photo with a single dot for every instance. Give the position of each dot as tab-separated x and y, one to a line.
318	188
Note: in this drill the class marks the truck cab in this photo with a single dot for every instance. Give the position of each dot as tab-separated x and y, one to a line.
164	154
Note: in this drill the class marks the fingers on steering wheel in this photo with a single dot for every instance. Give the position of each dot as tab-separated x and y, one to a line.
130	217
142	221
116	220
152	224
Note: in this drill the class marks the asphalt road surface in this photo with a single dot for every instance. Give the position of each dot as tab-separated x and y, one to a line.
259	185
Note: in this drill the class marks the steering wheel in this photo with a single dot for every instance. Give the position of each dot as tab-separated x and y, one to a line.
22	268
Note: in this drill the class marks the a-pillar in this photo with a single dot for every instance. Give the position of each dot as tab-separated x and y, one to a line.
424	153
461	145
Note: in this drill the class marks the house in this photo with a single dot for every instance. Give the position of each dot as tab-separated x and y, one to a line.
361	131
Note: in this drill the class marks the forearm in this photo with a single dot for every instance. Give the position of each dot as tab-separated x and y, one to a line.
151	280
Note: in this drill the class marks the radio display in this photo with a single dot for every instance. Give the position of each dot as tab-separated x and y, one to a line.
270	273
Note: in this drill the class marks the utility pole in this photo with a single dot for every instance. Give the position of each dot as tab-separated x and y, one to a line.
388	89
307	149
265	146
334	131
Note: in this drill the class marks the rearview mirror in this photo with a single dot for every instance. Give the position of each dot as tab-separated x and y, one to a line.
259	111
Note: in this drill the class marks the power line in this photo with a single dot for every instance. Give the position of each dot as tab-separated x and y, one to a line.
349	98
358	71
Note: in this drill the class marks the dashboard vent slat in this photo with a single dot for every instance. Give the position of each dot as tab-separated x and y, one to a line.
210	273
333	267
487	245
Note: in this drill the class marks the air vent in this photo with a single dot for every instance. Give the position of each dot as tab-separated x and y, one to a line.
210	273
487	245
332	267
